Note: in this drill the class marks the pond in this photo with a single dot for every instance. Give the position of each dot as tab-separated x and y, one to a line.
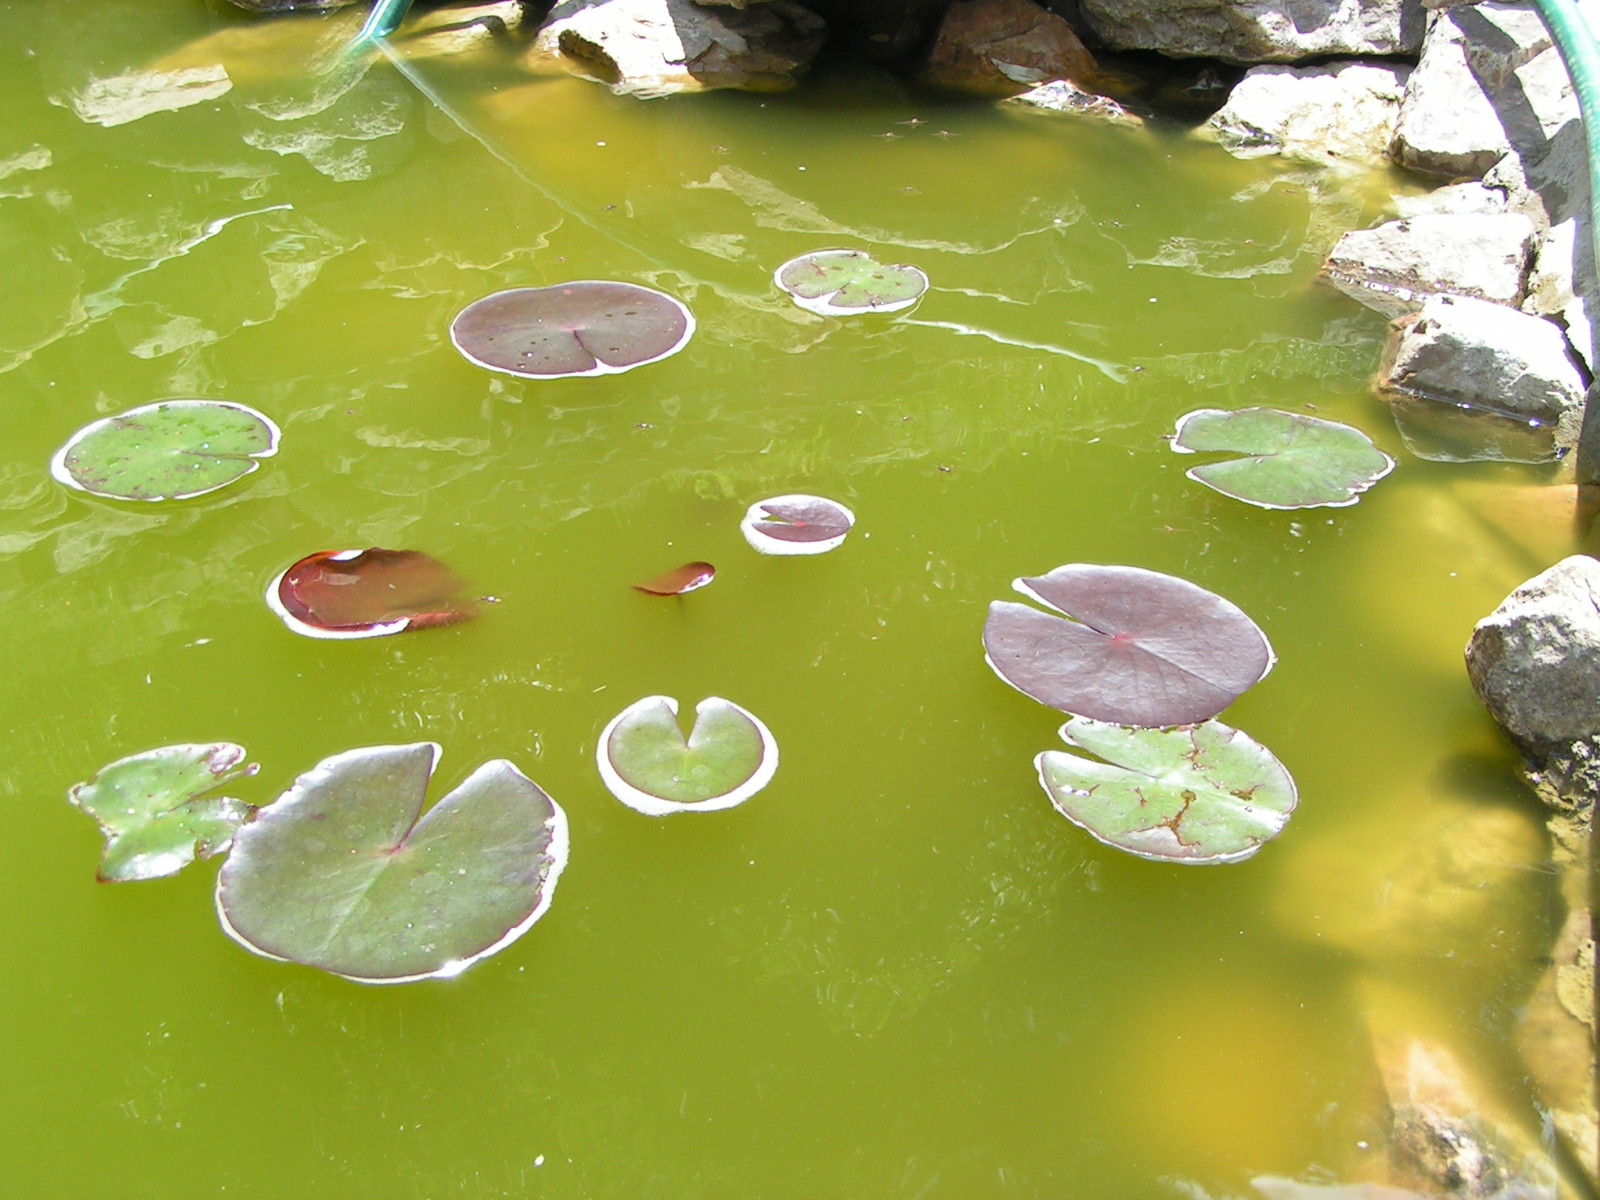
896	971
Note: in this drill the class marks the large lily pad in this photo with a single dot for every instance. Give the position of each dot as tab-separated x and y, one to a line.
1294	461
157	809
649	765
341	874
367	593
172	450
1196	794
586	327
1142	648
796	524
840	283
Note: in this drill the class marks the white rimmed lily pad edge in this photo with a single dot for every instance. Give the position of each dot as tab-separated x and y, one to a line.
559	851
58	463
1177	439
823	306
762	543
599	367
655	806
275	603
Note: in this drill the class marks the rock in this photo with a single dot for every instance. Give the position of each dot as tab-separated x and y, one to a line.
1551	182
1062	95
1253	31
1339	112
1397	266
1535	660
1002	47
652	48
1489	80
457	29
1460	357
1469	197
118	99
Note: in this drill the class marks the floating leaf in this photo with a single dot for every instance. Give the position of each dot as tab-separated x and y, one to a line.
690	577
367	593
1295	461
1142	648
796	524
835	283
587	327
172	450
340	873
1196	794
648	765
157	812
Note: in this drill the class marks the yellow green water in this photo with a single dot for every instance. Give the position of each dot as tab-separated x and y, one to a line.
896	972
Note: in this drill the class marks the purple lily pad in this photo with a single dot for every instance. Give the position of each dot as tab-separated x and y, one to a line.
1139	647
796	524
367	593
586	327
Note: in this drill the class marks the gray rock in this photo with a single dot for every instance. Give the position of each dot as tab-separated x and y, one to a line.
1339	112
1397	266
1549	182
1471	197
1468	379
1562	285
1061	95
1535	660
1489	80
1258	30
657	47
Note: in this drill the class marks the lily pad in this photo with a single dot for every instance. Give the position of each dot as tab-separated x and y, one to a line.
1141	648
157	811
841	283
690	577
1197	794
586	327
367	593
647	763
171	450
341	874
1295	461
796	524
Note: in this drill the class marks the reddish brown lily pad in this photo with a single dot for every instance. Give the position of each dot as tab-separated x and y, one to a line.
690	577
367	593
796	524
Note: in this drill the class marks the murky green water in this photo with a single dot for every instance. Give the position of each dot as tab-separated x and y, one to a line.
896	972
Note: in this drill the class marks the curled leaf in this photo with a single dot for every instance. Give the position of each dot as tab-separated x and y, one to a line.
367	593
690	577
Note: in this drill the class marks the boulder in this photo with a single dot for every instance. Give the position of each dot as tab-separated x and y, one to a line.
1062	95
1535	660
1341	112
1397	266
652	48
1489	80
1251	31
1562	285
1468	379
1002	47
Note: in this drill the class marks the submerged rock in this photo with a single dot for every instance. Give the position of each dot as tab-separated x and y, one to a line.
1061	95
1342	112
652	48
1258	30
1396	267
1002	47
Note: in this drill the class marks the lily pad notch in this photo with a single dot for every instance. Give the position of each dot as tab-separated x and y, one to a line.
345	873
843	283
1291	460
647	763
170	450
579	329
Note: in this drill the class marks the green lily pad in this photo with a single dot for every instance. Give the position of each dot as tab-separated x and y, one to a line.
1295	461
841	283
156	809
649	765
341	874
1195	794
172	450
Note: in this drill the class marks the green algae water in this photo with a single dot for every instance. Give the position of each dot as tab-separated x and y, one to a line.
896	972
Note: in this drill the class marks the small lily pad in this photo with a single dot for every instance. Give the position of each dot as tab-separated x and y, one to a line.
690	577
157	811
1196	794
367	593
341	874
842	283
1141	648
647	763
1295	461
586	327
171	450
796	524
